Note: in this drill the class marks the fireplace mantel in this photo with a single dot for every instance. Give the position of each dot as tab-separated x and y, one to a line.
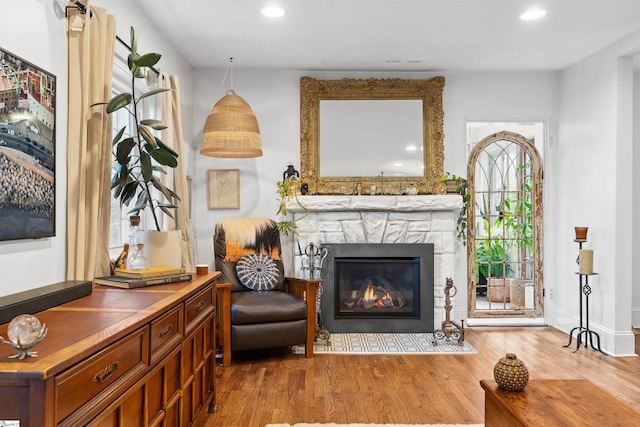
374	203
378	219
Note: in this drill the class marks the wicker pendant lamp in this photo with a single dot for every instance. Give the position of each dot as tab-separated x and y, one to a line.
231	129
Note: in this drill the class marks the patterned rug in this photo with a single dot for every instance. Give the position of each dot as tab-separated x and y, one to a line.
387	343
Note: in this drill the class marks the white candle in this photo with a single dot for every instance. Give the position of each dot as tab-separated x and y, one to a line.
586	261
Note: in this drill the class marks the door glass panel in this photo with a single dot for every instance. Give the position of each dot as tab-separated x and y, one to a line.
505	228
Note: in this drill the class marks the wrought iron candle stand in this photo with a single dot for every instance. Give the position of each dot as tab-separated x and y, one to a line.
583	327
312	263
451	331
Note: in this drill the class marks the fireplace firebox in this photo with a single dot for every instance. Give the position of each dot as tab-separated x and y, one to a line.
378	288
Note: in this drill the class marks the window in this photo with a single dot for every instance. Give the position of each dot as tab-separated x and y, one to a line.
505	219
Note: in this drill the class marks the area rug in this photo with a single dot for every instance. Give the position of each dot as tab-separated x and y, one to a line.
373	425
387	343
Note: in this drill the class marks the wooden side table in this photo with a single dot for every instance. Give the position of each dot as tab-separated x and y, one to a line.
553	403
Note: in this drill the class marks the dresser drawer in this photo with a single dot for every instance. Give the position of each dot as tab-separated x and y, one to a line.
117	366
198	306
165	330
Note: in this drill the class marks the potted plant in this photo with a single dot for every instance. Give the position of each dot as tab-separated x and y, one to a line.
135	172
459	185
288	188
493	268
518	213
451	182
518	222
284	192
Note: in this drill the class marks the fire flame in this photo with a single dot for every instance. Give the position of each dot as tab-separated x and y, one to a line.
370	295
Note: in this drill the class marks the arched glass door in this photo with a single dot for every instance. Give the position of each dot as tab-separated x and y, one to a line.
505	228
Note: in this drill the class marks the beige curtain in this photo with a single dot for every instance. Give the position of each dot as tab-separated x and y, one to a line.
173	137
90	52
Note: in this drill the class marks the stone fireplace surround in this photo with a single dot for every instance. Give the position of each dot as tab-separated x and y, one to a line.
378	219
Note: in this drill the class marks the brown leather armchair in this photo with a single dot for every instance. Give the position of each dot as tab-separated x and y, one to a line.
250	319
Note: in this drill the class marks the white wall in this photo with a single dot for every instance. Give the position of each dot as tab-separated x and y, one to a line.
492	97
28	264
275	99
595	157
587	169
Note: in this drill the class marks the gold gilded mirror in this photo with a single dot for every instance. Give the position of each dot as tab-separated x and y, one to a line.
386	133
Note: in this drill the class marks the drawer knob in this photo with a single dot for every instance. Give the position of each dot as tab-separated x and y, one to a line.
166	331
200	305
106	373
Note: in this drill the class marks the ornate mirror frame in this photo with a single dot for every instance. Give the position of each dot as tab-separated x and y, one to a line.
312	91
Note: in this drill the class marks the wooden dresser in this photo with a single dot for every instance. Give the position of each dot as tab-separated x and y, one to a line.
118	357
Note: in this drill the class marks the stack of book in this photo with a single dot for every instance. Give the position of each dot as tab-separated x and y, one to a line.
157	275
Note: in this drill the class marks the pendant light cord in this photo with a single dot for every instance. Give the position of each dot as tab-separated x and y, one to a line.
231	67
226	72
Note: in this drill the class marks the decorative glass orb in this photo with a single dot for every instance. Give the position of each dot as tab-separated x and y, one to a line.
24	330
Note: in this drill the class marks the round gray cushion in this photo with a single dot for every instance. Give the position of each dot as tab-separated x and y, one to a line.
258	272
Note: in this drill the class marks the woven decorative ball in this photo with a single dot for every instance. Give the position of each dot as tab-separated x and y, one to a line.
510	373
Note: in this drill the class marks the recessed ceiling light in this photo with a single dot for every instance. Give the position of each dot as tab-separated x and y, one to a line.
411	148
533	14
273	11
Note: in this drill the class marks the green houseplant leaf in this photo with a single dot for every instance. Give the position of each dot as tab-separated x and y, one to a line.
284	192
154	92
140	156
462	187
119	101
154	124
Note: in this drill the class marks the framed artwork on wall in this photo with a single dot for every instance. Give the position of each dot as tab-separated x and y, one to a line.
223	188
27	149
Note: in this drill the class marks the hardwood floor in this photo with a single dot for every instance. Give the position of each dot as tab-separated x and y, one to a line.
274	386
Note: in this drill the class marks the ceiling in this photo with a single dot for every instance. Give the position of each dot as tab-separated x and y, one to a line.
392	35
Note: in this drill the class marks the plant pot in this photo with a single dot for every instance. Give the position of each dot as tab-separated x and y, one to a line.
498	290
452	186
517	291
162	247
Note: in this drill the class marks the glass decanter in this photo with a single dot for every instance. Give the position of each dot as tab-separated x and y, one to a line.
136	259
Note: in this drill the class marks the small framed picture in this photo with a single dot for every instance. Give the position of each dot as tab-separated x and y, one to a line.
224	188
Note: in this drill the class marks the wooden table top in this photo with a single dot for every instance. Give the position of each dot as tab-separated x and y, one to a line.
82	326
571	402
